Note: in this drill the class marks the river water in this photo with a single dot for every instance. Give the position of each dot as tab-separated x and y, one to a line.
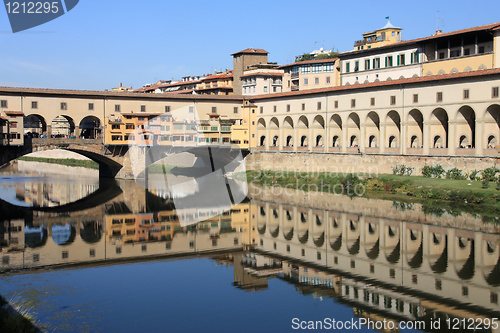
85	255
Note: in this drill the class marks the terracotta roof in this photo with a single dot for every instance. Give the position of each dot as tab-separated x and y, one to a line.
251	51
213	88
381	84
262	74
185	91
492	26
217	76
115	94
18	113
313	61
180	83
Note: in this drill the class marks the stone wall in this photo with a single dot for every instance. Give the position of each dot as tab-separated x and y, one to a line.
362	164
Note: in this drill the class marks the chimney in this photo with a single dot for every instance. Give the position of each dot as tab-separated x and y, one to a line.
438	32
120	84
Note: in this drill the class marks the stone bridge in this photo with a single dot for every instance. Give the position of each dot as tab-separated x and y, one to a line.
121	161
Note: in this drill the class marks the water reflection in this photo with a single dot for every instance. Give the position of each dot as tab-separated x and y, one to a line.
382	261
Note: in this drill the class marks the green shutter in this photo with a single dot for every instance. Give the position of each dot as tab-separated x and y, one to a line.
386	61
411	58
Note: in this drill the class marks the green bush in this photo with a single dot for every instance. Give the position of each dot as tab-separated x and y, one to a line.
455	173
489	174
473	175
432	171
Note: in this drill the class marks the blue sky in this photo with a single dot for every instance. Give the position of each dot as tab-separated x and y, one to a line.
101	43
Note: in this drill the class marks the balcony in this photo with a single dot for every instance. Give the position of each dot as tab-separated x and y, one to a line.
295	75
295	88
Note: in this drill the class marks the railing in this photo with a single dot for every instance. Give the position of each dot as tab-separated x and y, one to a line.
352	149
318	149
286	148
302	148
372	150
465	151
334	149
491	151
295	88
58	141
396	150
295	75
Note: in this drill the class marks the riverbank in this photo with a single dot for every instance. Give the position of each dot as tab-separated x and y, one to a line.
71	162
15	320
438	195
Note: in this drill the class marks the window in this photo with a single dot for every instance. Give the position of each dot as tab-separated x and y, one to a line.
353	103
306	82
261	109
319	105
36	257
13	125
306	69
367	64
316	80
117	107
465	291
3	103
494	298
64	106
92	252
316	68
328	68
295	70
265	89
336	104
481	50
388	61
494	92
235	109
214	109
318	255
91	106
415	98
376	63
438	285
401	60
167	108
274	108
439	96
372	268
34	105
274	89
191	109
393	100
372	101
356	66
65	254
143	108
303	106
347	67
288	108
466	93
327	80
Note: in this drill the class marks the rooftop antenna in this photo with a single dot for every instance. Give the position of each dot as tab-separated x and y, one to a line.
438	19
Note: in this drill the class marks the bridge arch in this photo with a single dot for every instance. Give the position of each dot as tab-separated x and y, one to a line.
35	124
90	127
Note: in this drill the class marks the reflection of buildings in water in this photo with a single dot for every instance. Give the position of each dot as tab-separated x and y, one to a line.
92	238
12	234
452	265
45	194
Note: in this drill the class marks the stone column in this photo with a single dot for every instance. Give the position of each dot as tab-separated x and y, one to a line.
344	138
381	139
426	139
451	137
362	139
480	138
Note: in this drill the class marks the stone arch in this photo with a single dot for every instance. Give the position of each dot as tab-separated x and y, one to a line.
372	131
454	70
35	236
319	141
366	81
372	240
441	72
62	126
91	232
353	237
492	127
303	131
414	248
393	129
90	127
288	224
303	141
401	77
335	126
63	234
389	79
288	131
35	124
335	233
466	127
414	76
438	252
429	73
468	69
274	131
318	130
482	67
261	132
376	80
439	128
464	257
353	129
415	128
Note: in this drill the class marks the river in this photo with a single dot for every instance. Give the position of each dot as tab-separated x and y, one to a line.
88	255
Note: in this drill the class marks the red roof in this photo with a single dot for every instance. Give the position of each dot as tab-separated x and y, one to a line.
140	114
18	113
313	61
251	51
381	83
262	74
218	76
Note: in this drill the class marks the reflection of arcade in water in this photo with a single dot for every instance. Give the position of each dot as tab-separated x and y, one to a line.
113	236
382	267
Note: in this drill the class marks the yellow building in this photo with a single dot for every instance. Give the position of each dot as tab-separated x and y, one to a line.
386	35
11	128
217	84
243	132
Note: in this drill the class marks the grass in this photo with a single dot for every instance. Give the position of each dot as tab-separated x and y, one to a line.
71	162
160	168
15	317
436	195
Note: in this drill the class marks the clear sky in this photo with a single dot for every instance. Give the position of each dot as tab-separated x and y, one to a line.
101	43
